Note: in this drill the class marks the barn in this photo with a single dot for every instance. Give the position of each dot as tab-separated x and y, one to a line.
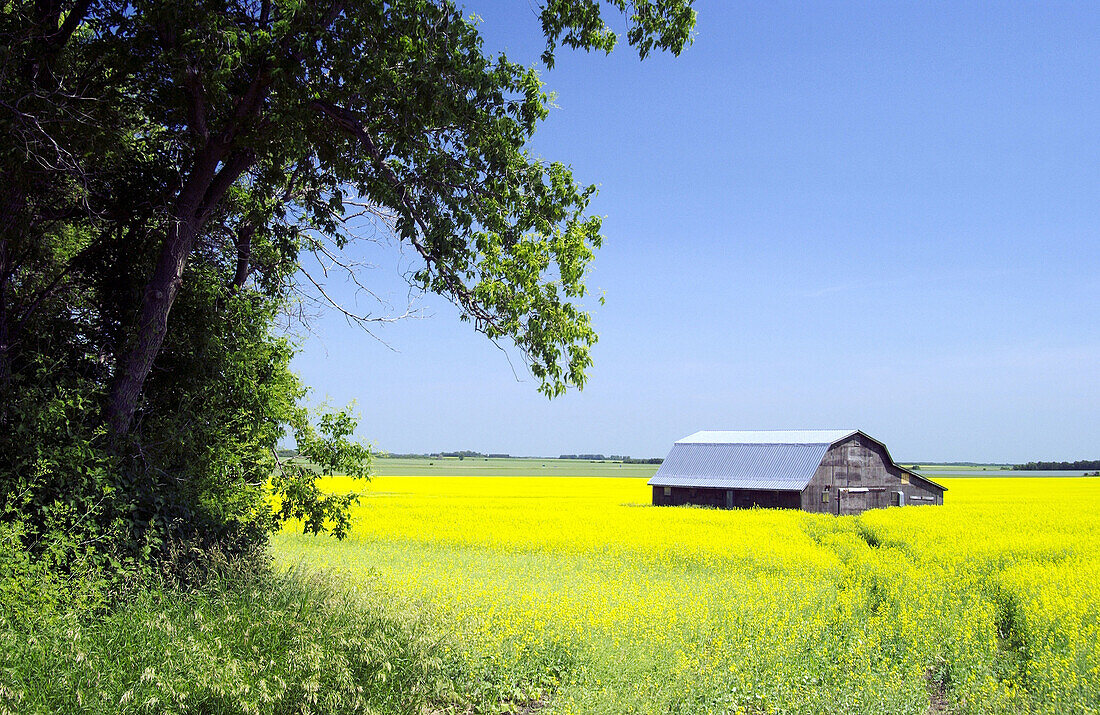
827	471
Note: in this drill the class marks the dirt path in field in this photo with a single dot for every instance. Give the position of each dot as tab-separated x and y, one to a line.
937	698
534	707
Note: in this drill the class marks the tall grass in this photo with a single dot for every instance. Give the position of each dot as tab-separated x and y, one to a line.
247	640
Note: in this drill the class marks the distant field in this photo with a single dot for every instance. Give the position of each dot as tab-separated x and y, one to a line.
956	467
531	467
512	467
575	593
970	470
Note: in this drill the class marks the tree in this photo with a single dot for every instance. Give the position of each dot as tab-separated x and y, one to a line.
169	167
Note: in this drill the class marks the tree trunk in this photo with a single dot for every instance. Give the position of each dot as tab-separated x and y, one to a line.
152	325
245	233
205	187
5	358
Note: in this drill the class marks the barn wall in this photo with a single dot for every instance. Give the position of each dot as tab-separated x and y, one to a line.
811	495
862	463
727	498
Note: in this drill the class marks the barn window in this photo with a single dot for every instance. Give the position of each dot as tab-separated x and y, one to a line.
668	491
825	495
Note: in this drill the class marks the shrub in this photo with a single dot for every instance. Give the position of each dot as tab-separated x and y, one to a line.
247	640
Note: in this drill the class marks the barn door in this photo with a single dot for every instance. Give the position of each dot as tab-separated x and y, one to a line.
856	502
729	498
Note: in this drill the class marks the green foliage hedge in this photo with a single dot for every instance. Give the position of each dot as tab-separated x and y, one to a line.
244	640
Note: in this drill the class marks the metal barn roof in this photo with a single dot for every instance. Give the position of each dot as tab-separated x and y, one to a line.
747	459
755	459
784	466
797	436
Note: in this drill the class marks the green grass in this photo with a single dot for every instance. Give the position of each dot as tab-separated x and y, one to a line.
475	620
926	467
535	467
256	643
509	467
248	640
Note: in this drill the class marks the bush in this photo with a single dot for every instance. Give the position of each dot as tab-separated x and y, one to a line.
247	640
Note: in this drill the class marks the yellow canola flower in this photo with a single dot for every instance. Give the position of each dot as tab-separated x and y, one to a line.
987	604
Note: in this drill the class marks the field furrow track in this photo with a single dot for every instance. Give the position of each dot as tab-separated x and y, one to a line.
565	589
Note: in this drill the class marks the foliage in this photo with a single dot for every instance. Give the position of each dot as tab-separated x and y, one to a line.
27	585
326	450
678	610
580	25
248	640
173	177
1054	466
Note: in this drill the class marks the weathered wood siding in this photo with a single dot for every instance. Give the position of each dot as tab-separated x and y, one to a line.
727	498
861	463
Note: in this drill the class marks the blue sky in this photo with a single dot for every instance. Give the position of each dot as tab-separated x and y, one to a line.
874	215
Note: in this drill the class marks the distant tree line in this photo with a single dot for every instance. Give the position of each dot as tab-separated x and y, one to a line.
1054	466
592	457
613	458
964	464
440	455
463	454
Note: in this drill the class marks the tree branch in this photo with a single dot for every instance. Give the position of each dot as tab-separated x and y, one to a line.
350	123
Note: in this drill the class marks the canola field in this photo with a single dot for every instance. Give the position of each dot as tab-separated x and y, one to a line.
573	595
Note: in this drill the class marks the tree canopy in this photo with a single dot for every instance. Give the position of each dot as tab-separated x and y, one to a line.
168	167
